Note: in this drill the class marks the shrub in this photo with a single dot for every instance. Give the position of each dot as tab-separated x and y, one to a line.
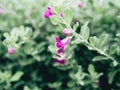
59	45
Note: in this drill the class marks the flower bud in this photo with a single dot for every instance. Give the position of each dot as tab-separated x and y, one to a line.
61	14
67	32
80	4
11	50
48	12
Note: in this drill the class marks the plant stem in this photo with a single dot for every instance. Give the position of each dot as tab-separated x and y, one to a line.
86	42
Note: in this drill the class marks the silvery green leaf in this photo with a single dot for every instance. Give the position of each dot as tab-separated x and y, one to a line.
99	58
71	83
16	76
91	69
52	49
103	39
75	26
68	15
111	76
85	32
55	19
93	40
26	88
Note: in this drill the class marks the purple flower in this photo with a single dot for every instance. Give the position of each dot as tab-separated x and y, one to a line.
61	14
67	32
61	44
1	10
48	12
60	50
80	4
11	51
60	61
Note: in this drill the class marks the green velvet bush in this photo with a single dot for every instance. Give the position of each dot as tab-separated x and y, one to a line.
37	54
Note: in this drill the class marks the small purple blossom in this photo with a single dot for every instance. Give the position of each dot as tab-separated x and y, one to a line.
61	43
61	46
61	14
11	51
67	32
1	10
60	61
48	12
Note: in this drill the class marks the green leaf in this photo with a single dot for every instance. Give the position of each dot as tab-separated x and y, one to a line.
111	76
55	84
98	58
85	32
16	76
57	9
103	39
55	19
52	49
75	26
77	41
68	15
26	88
28	49
6	35
115	63
113	49
93	40
91	69
71	83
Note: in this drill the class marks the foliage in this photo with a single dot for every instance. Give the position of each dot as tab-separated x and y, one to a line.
86	59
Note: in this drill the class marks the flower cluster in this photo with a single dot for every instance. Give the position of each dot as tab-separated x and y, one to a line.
60	44
61	49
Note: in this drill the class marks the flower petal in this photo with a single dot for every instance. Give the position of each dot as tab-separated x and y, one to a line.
60	61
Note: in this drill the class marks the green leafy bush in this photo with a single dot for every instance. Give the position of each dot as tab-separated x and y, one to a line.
59	45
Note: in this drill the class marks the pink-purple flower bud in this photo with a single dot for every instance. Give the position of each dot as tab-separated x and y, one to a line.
80	4
11	51
67	32
48	12
61	14
61	44
1	10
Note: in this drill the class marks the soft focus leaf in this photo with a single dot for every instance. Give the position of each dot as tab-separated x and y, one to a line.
26	88
55	19
75	26
16	76
111	76
98	58
91	69
94	41
52	49
68	15
85	32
